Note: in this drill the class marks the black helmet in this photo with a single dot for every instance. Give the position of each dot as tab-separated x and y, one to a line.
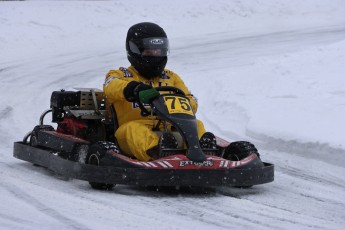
147	48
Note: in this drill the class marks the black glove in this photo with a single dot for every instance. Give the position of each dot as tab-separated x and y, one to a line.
131	91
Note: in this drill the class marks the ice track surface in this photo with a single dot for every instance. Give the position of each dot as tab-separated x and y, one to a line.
309	187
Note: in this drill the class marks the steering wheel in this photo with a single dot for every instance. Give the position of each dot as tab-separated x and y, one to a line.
145	112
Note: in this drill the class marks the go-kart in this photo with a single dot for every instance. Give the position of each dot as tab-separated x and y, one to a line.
83	146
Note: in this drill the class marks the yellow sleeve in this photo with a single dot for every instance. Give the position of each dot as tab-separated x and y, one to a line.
178	83
114	84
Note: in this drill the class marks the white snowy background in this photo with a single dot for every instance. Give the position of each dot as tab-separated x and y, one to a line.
267	71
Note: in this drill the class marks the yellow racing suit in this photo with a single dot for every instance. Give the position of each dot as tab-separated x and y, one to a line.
135	135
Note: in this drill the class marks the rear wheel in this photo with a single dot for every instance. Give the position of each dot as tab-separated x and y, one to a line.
94	157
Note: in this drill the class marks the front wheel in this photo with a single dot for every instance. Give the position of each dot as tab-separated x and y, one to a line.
239	150
96	153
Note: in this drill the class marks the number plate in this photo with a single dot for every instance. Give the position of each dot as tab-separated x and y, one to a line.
176	104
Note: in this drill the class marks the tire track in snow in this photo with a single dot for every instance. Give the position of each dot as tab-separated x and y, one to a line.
279	217
12	222
239	215
278	42
298	173
41	207
204	208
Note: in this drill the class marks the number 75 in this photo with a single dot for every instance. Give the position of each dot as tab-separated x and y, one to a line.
181	103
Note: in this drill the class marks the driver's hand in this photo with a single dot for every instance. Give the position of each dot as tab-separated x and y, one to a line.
148	95
138	91
131	91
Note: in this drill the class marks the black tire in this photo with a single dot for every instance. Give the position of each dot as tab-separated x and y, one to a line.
33	140
94	157
34	134
239	150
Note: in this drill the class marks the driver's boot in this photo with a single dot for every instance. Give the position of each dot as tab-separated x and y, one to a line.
167	142
208	141
167	146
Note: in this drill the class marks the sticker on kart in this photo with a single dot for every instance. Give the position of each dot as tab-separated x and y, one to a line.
204	163
176	104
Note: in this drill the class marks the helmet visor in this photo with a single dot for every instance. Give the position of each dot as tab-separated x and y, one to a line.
154	46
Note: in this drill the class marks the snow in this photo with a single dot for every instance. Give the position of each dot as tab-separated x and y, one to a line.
267	71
